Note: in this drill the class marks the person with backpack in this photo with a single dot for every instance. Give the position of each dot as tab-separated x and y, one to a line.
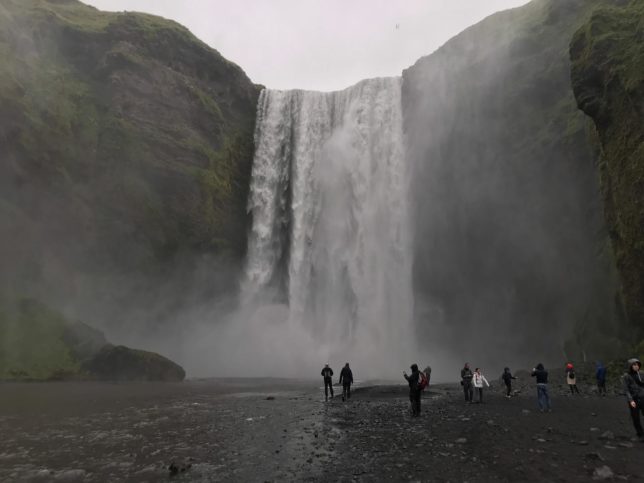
478	380
417	382
466	382
346	379
600	375
428	373
327	374
634	390
507	378
571	378
542	387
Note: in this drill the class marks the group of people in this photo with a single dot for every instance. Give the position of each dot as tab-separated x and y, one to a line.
417	381
346	379
633	385
473	381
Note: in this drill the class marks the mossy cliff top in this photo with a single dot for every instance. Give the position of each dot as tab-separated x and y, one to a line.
126	145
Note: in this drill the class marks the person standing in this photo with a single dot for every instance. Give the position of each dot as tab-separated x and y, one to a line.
428	373
327	374
634	391
571	378
478	380
414	389
600	375
542	387
466	382
346	379
507	379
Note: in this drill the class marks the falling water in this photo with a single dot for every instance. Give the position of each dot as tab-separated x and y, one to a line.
330	230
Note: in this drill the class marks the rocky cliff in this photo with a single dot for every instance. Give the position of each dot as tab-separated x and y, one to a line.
510	241
126	154
608	80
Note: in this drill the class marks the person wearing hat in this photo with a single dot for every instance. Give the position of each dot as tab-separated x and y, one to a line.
634	391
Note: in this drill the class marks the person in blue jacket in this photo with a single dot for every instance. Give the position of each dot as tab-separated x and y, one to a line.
600	375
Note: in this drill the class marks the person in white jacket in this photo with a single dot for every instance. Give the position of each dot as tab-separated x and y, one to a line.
478	380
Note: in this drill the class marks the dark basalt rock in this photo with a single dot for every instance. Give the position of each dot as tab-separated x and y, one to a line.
120	363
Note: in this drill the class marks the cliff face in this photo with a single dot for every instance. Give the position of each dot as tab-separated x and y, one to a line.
126	149
510	242
608	80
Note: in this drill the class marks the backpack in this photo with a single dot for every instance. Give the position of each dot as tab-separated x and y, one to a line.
423	382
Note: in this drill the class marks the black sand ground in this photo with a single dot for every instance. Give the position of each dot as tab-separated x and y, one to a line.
245	430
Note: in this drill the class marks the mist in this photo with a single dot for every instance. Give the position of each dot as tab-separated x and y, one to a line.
448	215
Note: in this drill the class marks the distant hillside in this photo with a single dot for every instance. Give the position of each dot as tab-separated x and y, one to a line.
608	81
511	247
126	152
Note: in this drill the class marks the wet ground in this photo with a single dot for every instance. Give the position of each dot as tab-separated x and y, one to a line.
281	430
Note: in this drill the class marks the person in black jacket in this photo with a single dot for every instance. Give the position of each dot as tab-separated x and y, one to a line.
466	382
327	374
507	379
414	389
542	387
346	379
634	391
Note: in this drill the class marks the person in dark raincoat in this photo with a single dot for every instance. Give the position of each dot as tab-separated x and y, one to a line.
414	389
633	383
327	374
600	375
466	382
346	379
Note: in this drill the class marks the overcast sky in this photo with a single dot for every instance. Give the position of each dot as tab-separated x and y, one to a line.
319	44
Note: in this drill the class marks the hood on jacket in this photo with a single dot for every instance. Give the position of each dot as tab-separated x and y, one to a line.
599	364
414	368
506	369
634	360
540	367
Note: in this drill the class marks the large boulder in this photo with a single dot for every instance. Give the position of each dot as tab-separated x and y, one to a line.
38	344
120	363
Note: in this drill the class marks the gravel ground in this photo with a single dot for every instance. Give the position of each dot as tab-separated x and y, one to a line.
280	430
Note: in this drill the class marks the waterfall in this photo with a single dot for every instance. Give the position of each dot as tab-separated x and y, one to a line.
331	234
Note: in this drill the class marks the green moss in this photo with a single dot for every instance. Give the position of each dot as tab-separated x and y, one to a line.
608	80
125	117
32	345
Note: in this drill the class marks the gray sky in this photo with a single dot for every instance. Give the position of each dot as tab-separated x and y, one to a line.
319	44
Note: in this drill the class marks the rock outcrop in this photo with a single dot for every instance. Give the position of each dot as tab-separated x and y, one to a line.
608	80
38	343
120	363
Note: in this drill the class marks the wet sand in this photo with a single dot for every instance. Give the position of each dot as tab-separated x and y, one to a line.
282	430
